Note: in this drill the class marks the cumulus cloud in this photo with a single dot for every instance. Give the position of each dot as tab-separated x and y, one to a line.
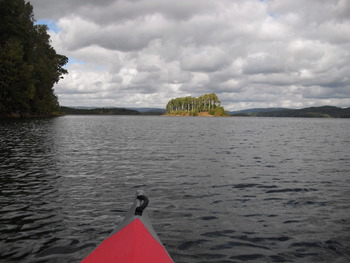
251	53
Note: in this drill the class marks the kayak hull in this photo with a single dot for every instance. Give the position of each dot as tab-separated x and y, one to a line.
133	241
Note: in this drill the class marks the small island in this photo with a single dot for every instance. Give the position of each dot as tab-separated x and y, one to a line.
206	105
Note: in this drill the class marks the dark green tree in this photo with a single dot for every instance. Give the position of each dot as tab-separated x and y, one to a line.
29	66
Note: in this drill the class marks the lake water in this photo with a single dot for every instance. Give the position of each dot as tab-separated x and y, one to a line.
220	189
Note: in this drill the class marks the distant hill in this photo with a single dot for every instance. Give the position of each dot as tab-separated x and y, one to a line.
98	111
150	111
147	109
254	110
84	107
311	112
257	110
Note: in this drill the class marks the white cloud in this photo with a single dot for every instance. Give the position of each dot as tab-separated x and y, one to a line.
206	59
251	53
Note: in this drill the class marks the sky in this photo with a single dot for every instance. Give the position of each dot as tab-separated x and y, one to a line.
251	53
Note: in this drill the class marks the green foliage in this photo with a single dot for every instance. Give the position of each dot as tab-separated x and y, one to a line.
29	66
218	111
195	112
191	106
316	115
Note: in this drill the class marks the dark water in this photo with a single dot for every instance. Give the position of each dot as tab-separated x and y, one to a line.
220	189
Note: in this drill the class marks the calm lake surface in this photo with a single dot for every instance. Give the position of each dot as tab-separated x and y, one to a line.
220	189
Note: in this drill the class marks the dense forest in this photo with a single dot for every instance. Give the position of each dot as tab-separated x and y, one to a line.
29	65
192	106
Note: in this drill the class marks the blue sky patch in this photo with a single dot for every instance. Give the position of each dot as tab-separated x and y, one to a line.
75	61
52	25
273	15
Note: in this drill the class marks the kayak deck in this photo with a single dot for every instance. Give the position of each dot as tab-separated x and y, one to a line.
133	241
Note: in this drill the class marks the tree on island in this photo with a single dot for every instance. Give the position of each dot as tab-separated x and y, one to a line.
29	66
192	106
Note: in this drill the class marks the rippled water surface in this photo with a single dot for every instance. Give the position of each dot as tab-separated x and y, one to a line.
220	189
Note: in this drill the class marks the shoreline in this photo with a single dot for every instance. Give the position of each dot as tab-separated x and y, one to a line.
188	114
16	115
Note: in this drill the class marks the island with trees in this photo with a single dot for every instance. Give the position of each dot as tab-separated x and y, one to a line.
205	105
29	65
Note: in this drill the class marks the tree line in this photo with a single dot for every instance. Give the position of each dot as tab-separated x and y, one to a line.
29	65
192	106
99	111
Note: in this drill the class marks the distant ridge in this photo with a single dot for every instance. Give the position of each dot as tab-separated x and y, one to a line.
310	112
150	111
75	110
141	109
258	110
98	111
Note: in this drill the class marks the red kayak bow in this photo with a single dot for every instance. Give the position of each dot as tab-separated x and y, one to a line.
134	241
